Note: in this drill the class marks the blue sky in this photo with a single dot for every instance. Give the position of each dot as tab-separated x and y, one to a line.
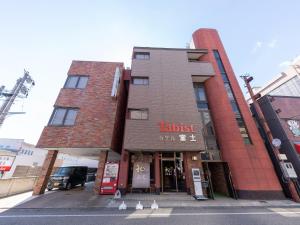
45	36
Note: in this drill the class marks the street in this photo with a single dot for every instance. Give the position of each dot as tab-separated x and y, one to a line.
176	216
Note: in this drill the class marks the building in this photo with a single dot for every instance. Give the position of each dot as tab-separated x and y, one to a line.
287	83
279	102
282	113
87	117
21	159
182	110
282	116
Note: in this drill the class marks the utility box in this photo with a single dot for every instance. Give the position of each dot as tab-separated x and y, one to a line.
288	170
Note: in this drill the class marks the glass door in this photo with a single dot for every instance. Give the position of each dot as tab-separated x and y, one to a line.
172	172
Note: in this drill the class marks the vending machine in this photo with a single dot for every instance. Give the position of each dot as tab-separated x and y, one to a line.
109	183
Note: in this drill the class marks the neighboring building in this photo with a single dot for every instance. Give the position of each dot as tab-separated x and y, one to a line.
184	111
287	83
25	160
281	94
86	120
282	114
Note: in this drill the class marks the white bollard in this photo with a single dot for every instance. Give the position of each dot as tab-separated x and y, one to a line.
154	205
139	206
123	206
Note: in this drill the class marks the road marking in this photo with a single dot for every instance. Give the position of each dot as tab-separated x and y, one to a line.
292	212
149	214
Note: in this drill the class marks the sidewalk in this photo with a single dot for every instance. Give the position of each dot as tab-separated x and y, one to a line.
173	200
85	198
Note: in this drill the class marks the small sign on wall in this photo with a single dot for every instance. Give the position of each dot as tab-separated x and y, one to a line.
6	162
141	175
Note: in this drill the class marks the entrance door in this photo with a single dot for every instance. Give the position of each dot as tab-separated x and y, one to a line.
169	175
172	172
219	177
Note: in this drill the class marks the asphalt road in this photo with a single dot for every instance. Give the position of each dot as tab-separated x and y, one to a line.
177	216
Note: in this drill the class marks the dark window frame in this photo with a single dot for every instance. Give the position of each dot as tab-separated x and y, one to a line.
144	78
141	110
146	55
199	101
77	82
62	124
234	105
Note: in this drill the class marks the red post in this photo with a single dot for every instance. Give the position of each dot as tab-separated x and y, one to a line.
123	172
157	172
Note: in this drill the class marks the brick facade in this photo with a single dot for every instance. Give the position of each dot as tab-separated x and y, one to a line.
41	184
97	109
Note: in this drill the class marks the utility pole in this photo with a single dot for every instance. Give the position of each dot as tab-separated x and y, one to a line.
20	88
291	185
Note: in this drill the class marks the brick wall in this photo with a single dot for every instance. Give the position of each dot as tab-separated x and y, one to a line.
97	109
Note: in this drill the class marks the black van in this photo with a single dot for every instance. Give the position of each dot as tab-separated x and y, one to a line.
67	177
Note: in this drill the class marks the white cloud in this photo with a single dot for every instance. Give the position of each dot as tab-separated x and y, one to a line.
294	61
285	63
257	46
272	43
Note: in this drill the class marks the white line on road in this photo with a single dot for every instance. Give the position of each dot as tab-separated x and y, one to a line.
147	214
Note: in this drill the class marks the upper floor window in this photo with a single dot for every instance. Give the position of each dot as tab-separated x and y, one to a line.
63	116
200	96
141	55
76	81
140	80
138	114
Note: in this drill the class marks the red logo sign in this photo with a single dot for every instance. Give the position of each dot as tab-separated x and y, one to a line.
174	127
5	168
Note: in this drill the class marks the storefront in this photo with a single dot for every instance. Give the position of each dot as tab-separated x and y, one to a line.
162	172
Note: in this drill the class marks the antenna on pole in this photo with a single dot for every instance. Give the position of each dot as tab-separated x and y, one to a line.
20	90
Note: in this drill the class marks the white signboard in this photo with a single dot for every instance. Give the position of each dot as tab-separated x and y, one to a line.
6	162
197	181
141	175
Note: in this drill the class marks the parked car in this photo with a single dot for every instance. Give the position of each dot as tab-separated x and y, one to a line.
68	177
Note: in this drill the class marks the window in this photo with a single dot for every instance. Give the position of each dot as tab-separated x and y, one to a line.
200	96
63	116
140	80
229	91
235	108
138	114
231	97
76	82
141	55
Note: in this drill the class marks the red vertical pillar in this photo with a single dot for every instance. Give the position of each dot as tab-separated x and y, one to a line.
123	172
100	171
246	161
157	172
188	177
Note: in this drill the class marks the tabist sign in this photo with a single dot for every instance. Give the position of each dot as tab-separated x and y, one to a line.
6	162
141	175
177	132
